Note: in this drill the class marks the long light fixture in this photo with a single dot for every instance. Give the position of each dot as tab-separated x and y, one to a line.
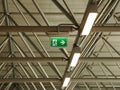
75	59
89	18
66	82
89	23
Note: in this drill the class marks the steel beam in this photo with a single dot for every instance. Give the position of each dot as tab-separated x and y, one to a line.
60	59
55	29
95	80
31	59
100	59
36	29
33	17
22	80
71	18
106	29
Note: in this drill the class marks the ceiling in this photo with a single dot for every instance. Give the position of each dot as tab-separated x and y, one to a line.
28	62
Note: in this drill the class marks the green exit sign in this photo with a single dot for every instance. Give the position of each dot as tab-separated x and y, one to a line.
58	42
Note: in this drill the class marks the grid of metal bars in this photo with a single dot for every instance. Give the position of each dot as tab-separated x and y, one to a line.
86	75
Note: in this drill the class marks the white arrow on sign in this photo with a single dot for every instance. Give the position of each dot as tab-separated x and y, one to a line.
62	42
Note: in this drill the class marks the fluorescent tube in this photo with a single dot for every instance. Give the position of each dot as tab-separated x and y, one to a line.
89	23
75	59
66	82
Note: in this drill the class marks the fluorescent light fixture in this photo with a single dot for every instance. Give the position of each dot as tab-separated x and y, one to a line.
66	82
89	23
75	59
